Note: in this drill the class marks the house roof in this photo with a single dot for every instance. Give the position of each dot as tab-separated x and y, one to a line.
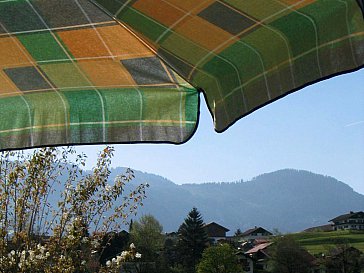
259	247
347	216
260	241
327	227
216	224
252	230
339	251
171	234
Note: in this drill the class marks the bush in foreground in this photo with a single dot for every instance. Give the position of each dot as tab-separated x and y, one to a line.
38	234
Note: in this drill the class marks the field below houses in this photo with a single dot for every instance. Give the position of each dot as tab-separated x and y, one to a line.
321	242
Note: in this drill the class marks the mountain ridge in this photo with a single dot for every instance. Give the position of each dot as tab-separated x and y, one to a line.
288	199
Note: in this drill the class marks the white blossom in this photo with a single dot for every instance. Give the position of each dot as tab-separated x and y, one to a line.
108	188
31	254
124	254
119	259
42	249
95	243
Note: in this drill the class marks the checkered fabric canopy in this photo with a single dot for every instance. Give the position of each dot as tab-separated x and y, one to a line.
113	71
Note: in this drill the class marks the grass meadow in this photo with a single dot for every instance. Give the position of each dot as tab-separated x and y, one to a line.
321	242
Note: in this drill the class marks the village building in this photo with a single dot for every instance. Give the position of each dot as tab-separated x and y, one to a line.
255	233
215	232
256	258
349	221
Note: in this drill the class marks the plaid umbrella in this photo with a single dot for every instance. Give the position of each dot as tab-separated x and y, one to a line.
121	71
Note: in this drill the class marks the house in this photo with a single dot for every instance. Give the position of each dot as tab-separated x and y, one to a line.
171	235
344	250
352	221
344	256
255	233
255	258
215	232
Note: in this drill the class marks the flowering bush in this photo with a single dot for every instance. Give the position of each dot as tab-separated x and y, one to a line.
117	262
38	234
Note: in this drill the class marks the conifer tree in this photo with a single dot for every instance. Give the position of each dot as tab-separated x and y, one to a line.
192	240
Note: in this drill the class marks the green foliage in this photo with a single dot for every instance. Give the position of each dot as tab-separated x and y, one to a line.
147	235
219	259
287	256
38	235
193	240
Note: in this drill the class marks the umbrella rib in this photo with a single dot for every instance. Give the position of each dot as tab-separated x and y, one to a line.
349	32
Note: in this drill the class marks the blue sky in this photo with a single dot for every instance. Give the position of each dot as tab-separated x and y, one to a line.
319	128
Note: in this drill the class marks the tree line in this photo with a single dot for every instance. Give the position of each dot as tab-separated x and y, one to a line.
190	251
186	251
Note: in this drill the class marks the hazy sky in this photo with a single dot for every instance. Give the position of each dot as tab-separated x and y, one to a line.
319	128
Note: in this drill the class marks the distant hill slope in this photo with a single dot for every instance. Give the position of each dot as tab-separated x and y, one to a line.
289	200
